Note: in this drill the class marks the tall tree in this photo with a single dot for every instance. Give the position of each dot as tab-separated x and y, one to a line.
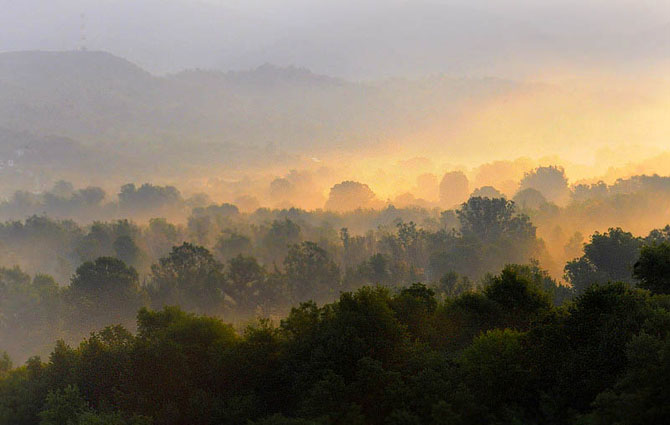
189	276
609	256
311	273
103	292
653	268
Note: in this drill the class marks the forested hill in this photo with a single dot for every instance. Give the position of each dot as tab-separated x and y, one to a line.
95	98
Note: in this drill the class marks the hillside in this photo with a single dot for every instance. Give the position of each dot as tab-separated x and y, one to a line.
207	122
99	99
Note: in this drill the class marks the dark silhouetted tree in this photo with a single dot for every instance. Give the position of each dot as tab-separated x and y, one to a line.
609	256
653	268
104	291
190	277
311	273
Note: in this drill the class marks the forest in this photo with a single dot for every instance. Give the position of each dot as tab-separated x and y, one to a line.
334	212
372	316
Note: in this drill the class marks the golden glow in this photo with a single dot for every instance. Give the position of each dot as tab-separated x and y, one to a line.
598	127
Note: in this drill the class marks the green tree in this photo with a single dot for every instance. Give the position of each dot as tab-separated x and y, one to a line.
278	238
230	244
609	256
490	219
492	368
521	300
460	320
63	407
103	292
190	277
540	278
96	243
585	349
172	363
103	367
376	270
414	306
127	250
642	393
452	285
5	364
492	234
653	268
310	272
247	283
30	312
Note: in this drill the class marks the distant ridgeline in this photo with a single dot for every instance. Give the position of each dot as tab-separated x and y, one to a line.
93	109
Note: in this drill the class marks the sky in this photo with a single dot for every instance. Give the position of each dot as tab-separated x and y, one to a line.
606	62
362	39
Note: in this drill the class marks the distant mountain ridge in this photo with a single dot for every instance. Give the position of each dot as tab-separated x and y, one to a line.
27	66
104	110
99	99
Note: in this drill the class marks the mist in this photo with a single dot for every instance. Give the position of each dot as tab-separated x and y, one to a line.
356	40
189	93
334	212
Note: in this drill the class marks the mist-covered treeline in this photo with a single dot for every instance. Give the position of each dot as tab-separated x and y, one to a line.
235	268
55	231
500	354
369	212
382	348
215	259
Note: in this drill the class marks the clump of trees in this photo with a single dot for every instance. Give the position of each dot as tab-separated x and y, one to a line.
264	263
350	195
503	353
65	226
454	189
91	203
279	264
352	337
609	256
550	181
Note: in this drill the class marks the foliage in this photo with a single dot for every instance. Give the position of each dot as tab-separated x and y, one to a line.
189	276
404	324
502	354
652	269
609	256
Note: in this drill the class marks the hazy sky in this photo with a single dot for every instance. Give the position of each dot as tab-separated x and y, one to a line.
590	84
359	39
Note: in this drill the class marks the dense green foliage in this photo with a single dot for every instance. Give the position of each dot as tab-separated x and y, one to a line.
653	268
500	355
608	257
